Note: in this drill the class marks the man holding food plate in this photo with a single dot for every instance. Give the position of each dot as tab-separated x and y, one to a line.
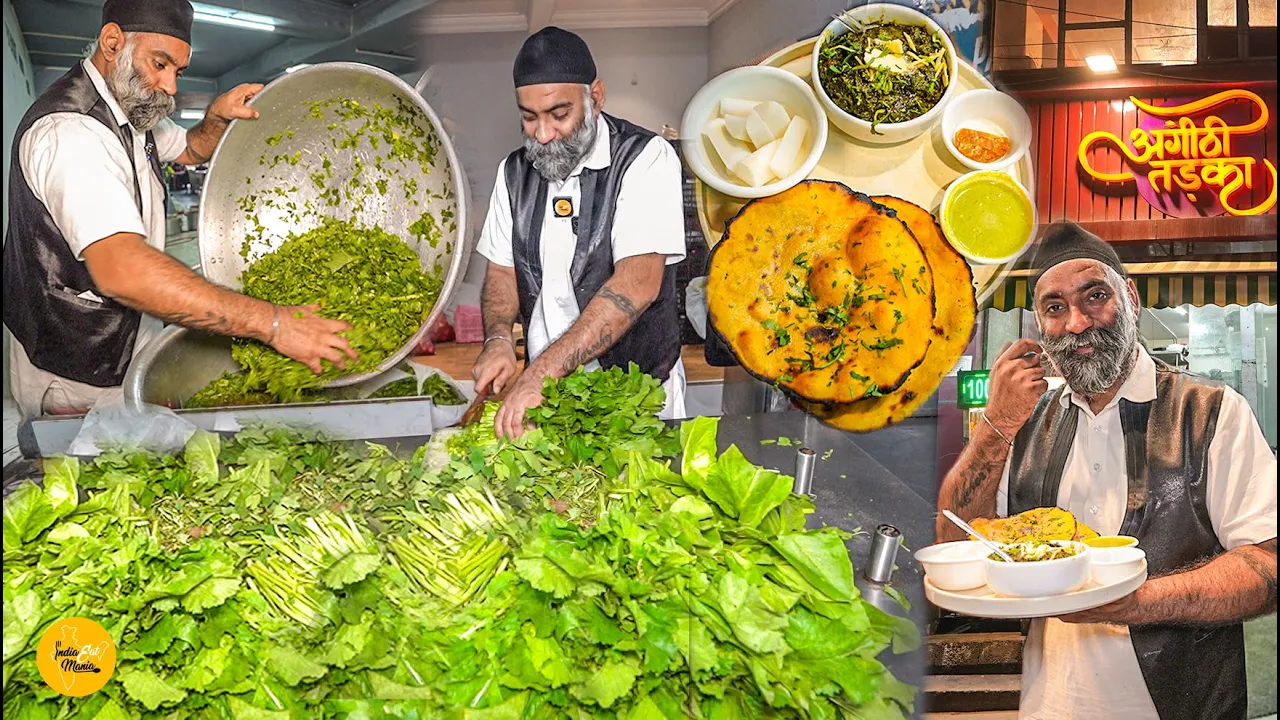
585	226
1129	446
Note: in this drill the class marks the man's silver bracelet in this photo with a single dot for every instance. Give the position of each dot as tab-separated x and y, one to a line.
1006	440
498	337
275	323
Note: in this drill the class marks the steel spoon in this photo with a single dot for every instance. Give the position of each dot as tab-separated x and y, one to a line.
965	527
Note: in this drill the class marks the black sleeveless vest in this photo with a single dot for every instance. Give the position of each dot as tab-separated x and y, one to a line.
1192	673
64	334
653	342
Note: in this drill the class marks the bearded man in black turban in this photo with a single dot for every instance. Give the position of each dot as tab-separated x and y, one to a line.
585	227
1130	446
86	280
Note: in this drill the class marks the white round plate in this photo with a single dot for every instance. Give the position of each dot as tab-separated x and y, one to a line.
982	602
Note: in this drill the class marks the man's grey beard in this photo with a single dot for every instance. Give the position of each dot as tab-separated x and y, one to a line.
1114	353
143	105
556	159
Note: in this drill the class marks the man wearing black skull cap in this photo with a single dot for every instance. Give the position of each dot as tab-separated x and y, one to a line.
584	229
86	279
1129	446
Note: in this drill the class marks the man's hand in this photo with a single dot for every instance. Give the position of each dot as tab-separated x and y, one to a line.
234	103
309	338
1124	611
495	367
1017	382
525	394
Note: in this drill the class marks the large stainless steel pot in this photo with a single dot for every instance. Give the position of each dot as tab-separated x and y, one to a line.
242	175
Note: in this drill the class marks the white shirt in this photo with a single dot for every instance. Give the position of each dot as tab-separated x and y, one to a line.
648	218
79	170
1087	671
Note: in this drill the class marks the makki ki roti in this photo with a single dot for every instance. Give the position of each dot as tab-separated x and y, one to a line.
823	292
954	311
1035	525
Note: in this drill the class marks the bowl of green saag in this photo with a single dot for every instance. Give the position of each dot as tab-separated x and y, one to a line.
884	72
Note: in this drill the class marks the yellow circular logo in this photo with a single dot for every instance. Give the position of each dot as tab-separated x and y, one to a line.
564	208
76	656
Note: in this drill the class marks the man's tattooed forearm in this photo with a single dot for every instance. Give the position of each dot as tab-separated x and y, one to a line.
208	322
582	356
620	301
964	495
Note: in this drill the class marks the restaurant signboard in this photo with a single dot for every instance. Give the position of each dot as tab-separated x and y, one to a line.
1193	157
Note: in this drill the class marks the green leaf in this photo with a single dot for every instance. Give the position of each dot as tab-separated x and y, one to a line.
545	576
696	644
646	709
352	568
60	475
755	625
698	445
210	594
149	689
513	708
27	512
111	711
292	667
201	455
903	632
745	491
384	689
23	615
242	710
822	559
612	681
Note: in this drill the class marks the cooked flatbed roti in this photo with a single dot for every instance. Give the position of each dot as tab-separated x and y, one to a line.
824	292
954	312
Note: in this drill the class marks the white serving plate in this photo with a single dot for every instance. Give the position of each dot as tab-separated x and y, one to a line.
982	602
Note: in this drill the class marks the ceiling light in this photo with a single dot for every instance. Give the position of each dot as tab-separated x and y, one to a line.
296	68
1101	63
191	114
234	18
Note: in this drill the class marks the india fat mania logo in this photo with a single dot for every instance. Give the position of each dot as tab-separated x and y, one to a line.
76	657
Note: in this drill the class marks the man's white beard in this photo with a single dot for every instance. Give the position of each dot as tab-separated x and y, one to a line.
144	106
1114	354
556	159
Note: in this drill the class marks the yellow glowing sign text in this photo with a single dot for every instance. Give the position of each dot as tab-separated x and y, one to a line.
1188	157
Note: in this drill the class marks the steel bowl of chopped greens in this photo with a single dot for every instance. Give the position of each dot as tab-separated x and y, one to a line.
346	193
884	72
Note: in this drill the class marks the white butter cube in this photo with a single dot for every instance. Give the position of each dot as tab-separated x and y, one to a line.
766	123
787	158
731	151
754	170
737	126
737	106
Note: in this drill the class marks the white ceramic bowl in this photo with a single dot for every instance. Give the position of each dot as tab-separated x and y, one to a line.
758	83
988	111
969	253
954	565
886	133
1111	565
1042	578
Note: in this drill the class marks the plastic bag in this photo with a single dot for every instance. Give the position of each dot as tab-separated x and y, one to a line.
695	305
111	425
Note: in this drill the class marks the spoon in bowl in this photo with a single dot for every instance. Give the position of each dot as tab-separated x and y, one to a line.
974	533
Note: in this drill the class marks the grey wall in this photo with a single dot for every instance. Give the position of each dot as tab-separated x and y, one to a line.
649	75
752	28
19	91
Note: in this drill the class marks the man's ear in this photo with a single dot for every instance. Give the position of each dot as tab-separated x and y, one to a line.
1132	287
111	41
597	94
